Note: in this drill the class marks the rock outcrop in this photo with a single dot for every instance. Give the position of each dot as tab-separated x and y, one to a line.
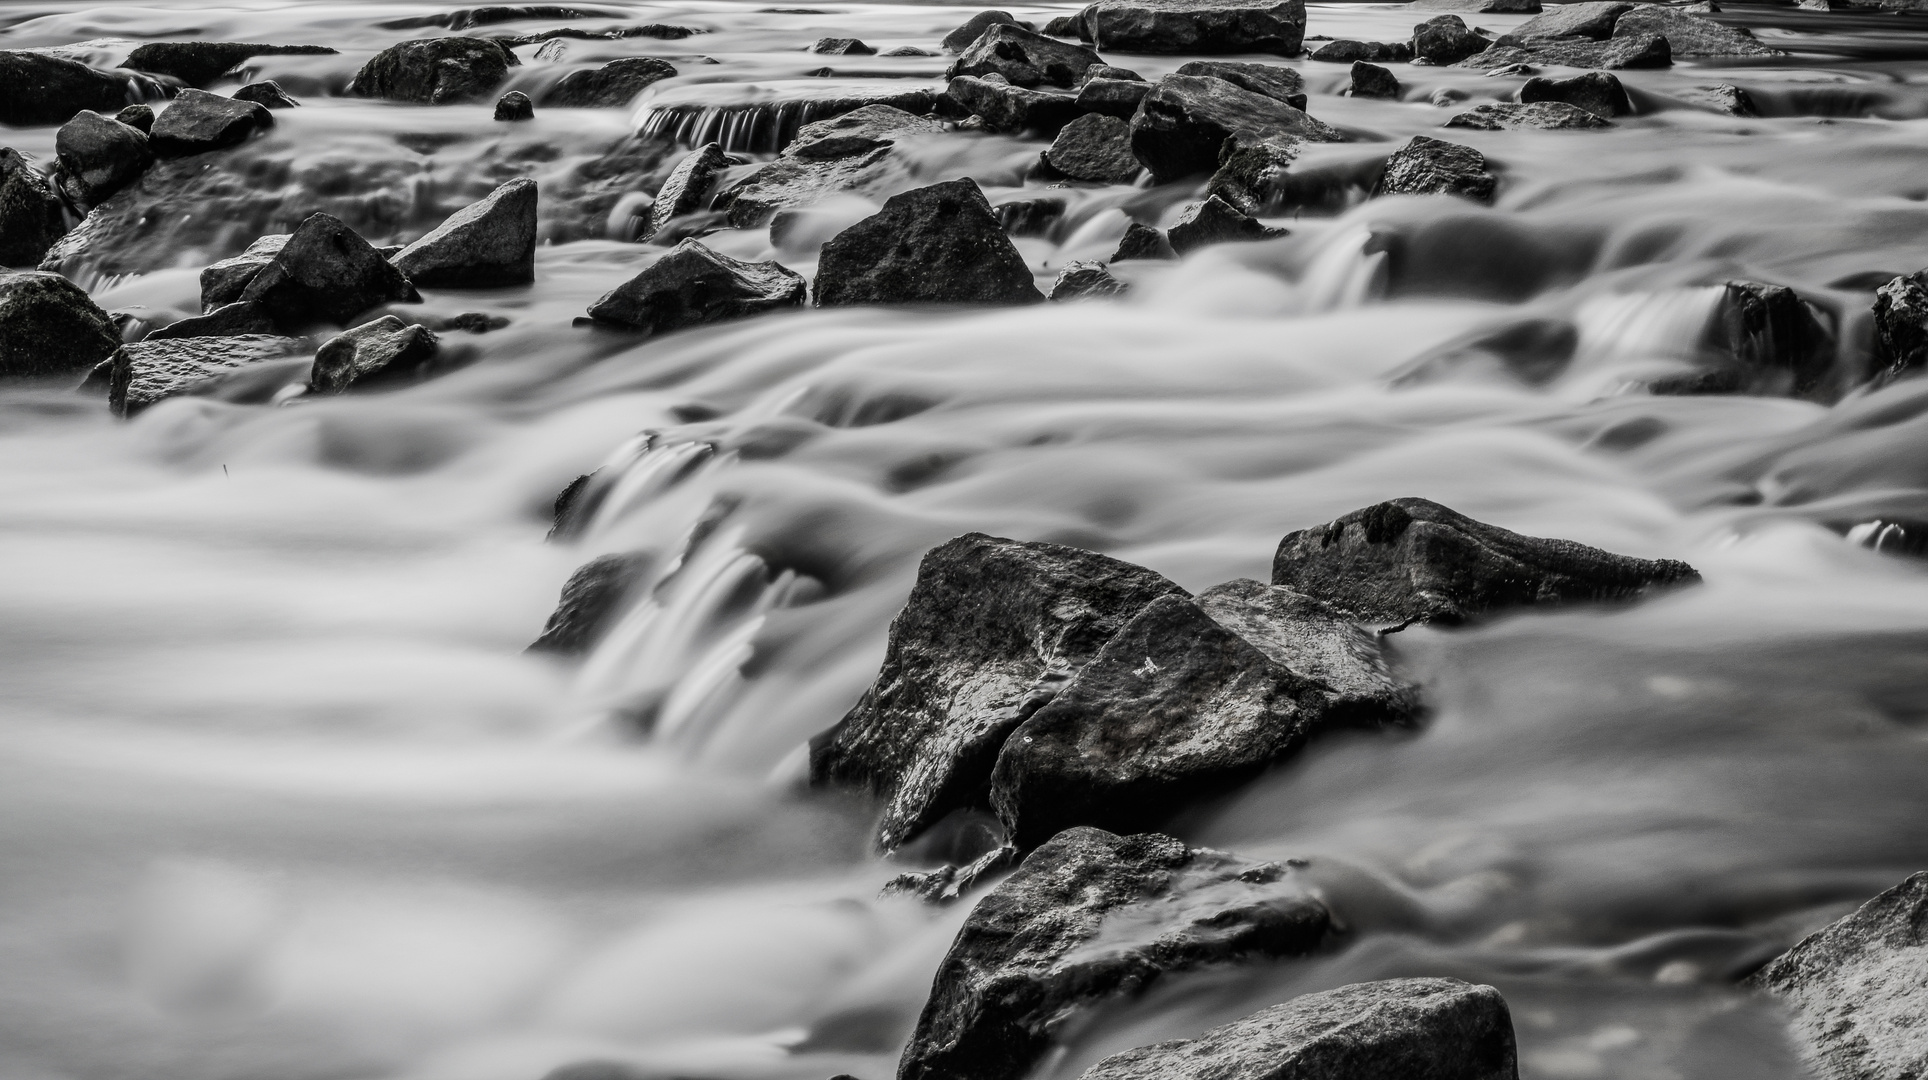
324	273
1216	221
382	354
1095	148
38	89
849	152
198	63
50	328
935	245
1431	167
435	71
1024	58
197	122
1197	27
31	215
1182	125
694	286
1517	116
141	373
491	242
99	156
610	86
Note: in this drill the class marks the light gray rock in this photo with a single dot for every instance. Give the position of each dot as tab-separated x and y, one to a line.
141	373
489	243
1196	27
1540	115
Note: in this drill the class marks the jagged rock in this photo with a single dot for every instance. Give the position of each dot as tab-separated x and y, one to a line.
591	600
1430	167
233	320
50	328
1346	52
1900	328
1592	20
844	153
935	245
1085	280
1762	339
1720	97
842	47
1027	959
31	215
324	273
1440	1029
1266	80
38	89
690	186
1372	81
1355	684
947	884
224	282
1215	221
694	286
435	71
1596	91
1113	97
1645	51
1253	175
138	117
1854	989
1141	241
1689	35
198	63
485	244
197	122
514	106
1413	560
1514	116
1004	107
961	38
141	373
613	85
99	156
1446	39
1096	148
267	93
1197	27
384	353
1182	125
1024	58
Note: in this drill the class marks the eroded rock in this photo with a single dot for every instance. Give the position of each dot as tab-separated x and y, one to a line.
325	273
1197	27
1427	166
591	600
50	328
1182	125
485	244
141	373
197	122
1024	58
435	71
1515	116
1096	148
1084	281
612	85
694	286
939	245
31	215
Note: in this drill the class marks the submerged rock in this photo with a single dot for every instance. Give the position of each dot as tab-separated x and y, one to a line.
961	38
694	286
613	85
1347	51
1446	39
435	71
1004	107
1720	97
690	187
232	320
1142	241
1096	148
938	245
1198	27
844	153
50	328
1596	91
1253	175
198	63
1372	81
1267	80
1514	116
514	106
99	156
1645	51
1113	97
1430	167
1900	328
1086	280
197	122
1182	125
325	273
141	373
267	93
39	89
1762	339
375	355
483	245
591	600
31	215
1024	58
1215	221
223	282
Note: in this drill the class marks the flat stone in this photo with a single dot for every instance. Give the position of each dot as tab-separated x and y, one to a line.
381	354
37	89
1141	241
1446	39
1096	148
961	38
141	373
1540	115
933	245
1372	81
513	107
197	122
1347	51
99	156
1004	107
1024	58
690	187
267	93
233	320
198	63
32	217
1196	27
610	86
1182	125
489	243
325	273
1113	97
435	71
1267	80
591	601
1215	221
1086	281
1596	91
223	282
1428	166
50	328
694	286
842	47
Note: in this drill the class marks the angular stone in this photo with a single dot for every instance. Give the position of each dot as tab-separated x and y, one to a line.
961	38
1096	148
233	320
1413	560
141	373
1372	81
223	282
1310	638
267	93
1346	52
591	601
435	71
1427	166
1267	80
844	153
1514	116
933	245
325	273
198	63
1215	221
138	117
613	85
1004	107
50	328
1596	91
1592	20
488	243
1141	241
197	122
1900	328
1689	35
1762	339
842	47
99	156
32	217
1253	175
1720	97
694	286
1197	27
1086	280
380	354
691	185
1024	58
1446	39
38	89
1113	97
514	106
1182	125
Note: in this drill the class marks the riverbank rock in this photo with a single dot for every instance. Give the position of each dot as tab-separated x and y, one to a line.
694	286
141	373
325	273
1446	39
1182	124
222	283
1142	241
99	156
691	186
197	122
1412	560
591	600
32	217
1086	281
1371	81
1540	115
1596	91
1215	221
1095	148
1024	58
38	89
1346	51
267	93
514	106
1431	167
937	245
198	63
1113	97
849	152
1027	959
1854	990
486	244
435	71
50	328
961	38
1198	27
1762	339
1007	108
233	320
1900	328
1440	1029
375	355
613	85
1266	80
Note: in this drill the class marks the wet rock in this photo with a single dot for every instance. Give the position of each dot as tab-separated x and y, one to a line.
613	85
848	152
324	273
691	185
267	93
1596	91
961	38
99	156
49	328
1086	280
1182	125
1372	81
1196	27
1689	35
138	117
591	601
1214	221
1253	175
947	884
1064	26
1024	58
1106	71
1413	560
37	89
233	320
1646	51
1029	217
1900	328
1141	241
1854	990
1446	39
694	286
1514	116
198	63
197	122
1354	683
769	126
224	282
1720	97
1478	7
908	50
1441	1029
1346	52
1113	97
1004	107
1592	20
853	134
1762	339
485	244
514	106
1026	961
31	215
1096	148
1431	167
375	355
1267	80
435	71
141	373
842	47
935	245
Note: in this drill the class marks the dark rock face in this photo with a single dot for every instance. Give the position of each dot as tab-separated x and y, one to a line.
198	63
1113	97
1440	1029
1141	241
842	47
36	89
1372	81
1430	167
49	328
844	153
435	71
1644	51
141	373
267	93
385	353
513	106
1266	80
1346	52
694	286
224	282
1016	970
1253	175
1004	107
613	85
1900	329
1687	34
1215	221
591	599
325	273
99	156
1592	20
138	117
485	244
937	245
1086	280
690	186
1596	91
1413	560
1106	71
233	320
1446	39
1513	116
1763	339
1206	27
961	38
1024	58
1854	990
1183	123
1096	148
31	214
198	121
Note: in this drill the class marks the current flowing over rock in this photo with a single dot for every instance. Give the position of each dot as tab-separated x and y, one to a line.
488	243
934	245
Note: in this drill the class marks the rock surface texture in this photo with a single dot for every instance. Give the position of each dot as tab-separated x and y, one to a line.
1024	58
324	273
1266	80
141	373
1086	280
1516	116
591	599
1195	26
1431	167
1096	148
694	286
1182	125
222	283
935	245
690	186
50	328
231	320
487	243
435	71
98	156
1216	221
268	94
380	354
1446	39
32	217
197	122
1900	328
39	89
1003	107
1596	91
611	86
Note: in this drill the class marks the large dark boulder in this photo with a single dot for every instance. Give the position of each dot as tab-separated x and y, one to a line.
99	156
1014	109
1900	328
1215	221
690	187
938	245
50	328
694	286
435	71
1446	39
848	152
591	600
381	354
1267	80
31	214
222	283
1027	960
325	273
1595	91
1537	115
197	122
1182	125
1427	166
488	243
1413	561
141	373
1762	339
612	85
1372	81
1096	148
1025	58
1199	27
1399	1029
198	63
37	89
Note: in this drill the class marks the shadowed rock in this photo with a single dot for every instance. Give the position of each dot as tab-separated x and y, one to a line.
1446	39
1096	148
50	328
1142	241
31	215
1347	51
1430	167
99	156
233	320
141	373
223	282
513	106
1113	97
1762	339
1215	221
267	93
844	153
1024	58
198	63
1266	80
485	244
1198	27
591	600
842	47
692	184
197	122
37	89
1004	107
1086	280
694	286
613	85
939	244
1182	125
1596	91
435	71
1372	81
138	117
1900	329
1541	115
961	38
375	355
1687	34
325	273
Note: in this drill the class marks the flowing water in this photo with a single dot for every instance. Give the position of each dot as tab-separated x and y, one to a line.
281	797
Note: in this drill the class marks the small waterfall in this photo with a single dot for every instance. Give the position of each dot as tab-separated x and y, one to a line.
765	126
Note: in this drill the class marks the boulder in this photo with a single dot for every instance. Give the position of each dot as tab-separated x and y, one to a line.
1196	27
842	46
961	38
267	93
99	156
1254	175
1900	328
1430	167
1372	81
1084	281
233	320
694	286
1596	91
1645	51
1215	221
1446	39
847	152
1720	97
612	85
1004	107
1762	339
1439	1029
1141	241
138	117
31	214
324	273
141	373
1266	80
1113	97
591	600
690	186
1592	20
1853	991
50	328
1689	35
1478	7
907	50
488	243
1106	71
197	122
1028	959
933	245
223	282
435	71
513	106
375	355
1514	116
1024	58
38	89
198	63
1182	125
1347	51
1096	148
1412	560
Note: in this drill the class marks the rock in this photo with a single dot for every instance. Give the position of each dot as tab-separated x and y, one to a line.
690	186
197	122
1096	148
1113	97
435	71
1647	51
1445	39
1689	35
385	353
1267	80
1372	81
38	89
267	93
1024	58
224	282
961	38
1413	560
1440	1029
1430	167
1354	684
1346	52
50	328
947	884
694	286
591	600
932	245
1086	280
198	63
1478	7
907	50
1064	26
31	215
1900	328
1762	339
1196	27
141	373
99	156
1216	222
138	117
1106	71
1720	97
1013	108
514	106
1596	91
1027	960
324	273
844	153
613	85
483	245
233	320
1853	991
1253	175
1592	20
1141	241
844	46
1182	125
1513	116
